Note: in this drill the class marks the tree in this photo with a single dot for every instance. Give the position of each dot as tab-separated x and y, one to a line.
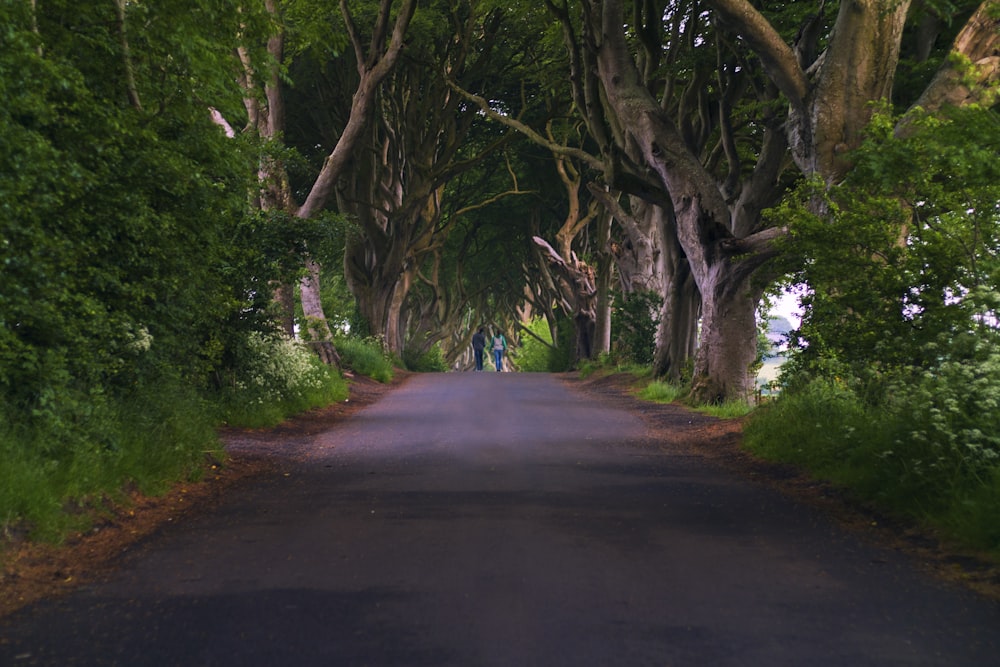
830	97
424	141
638	251
373	63
717	214
905	264
717	223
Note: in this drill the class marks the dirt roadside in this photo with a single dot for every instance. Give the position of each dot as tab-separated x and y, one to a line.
31	571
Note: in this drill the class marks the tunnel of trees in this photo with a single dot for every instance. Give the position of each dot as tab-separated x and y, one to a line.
182	176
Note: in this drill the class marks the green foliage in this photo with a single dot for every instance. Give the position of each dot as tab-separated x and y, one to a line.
536	347
950	414
339	304
662	392
425	361
273	378
537	354
366	356
893	387
927	450
634	322
117	221
75	459
909	249
126	278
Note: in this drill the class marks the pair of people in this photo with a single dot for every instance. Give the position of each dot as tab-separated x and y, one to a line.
498	346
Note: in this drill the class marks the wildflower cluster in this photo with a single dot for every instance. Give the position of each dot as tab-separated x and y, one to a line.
279	369
276	377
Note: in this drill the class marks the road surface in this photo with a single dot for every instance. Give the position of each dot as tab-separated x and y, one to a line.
487	519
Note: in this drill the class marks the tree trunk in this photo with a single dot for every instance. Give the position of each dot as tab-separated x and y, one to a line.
317	330
721	263
677	334
829	107
575	284
650	258
728	346
284	297
977	44
604	277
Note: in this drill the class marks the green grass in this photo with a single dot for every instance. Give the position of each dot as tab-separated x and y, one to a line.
60	466
661	392
607	364
366	357
658	391
727	410
883	456
54	473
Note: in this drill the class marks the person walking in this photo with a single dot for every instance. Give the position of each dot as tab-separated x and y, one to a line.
499	346
478	346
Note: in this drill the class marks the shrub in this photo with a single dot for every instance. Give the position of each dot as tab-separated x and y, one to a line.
926	447
635	322
276	378
428	361
71	461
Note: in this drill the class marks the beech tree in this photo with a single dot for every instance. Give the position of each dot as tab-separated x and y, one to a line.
402	192
717	213
373	61
721	242
831	91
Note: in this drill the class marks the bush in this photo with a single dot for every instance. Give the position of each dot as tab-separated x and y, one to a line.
635	322
55	467
927	448
275	378
429	361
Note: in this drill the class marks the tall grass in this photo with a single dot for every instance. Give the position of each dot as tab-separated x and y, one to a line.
53	471
727	410
61	461
661	392
366	356
426	361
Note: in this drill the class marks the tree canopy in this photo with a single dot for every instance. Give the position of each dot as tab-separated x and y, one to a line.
459	162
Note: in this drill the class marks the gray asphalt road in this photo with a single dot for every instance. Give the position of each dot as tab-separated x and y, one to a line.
488	519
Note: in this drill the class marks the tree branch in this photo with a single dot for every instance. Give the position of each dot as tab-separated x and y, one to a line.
973	63
515	124
778	58
133	90
364	96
